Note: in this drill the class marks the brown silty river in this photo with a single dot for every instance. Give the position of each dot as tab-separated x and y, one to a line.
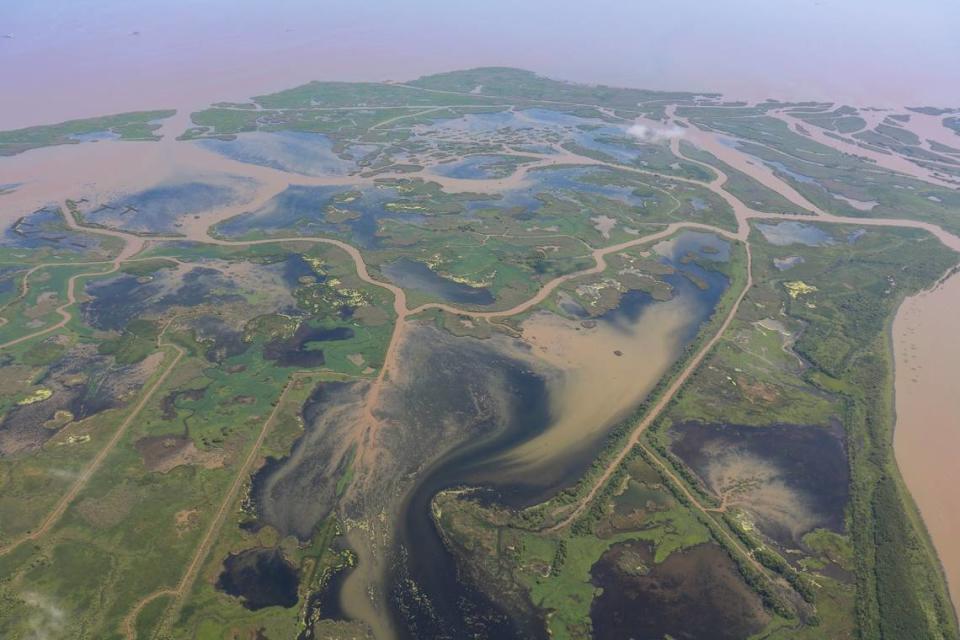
927	436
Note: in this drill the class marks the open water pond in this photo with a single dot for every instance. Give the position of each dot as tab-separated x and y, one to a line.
478	167
302	152
305	347
694	594
783	234
412	274
782	264
791	478
567	183
326	210
260	578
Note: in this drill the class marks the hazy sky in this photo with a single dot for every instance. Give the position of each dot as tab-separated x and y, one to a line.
73	58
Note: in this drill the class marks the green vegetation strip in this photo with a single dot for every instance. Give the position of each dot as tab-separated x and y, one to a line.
136	125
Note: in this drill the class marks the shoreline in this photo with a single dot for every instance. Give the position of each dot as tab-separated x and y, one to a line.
926	426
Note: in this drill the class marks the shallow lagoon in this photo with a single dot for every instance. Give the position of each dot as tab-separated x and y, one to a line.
293	494
298	209
782	264
453	390
430	597
611	141
592	133
706	246
300	152
411	274
562	182
46	228
160	209
791	478
787	233
478	167
115	300
301	210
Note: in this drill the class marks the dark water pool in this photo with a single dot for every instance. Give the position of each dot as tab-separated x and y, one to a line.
46	228
301	211
809	460
303	348
260	578
431	599
695	594
159	209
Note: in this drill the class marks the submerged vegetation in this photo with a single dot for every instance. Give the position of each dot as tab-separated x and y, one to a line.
349	405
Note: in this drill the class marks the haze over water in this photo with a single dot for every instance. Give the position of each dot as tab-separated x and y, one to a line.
82	58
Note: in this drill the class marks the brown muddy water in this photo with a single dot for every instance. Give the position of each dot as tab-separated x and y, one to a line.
81	59
609	369
535	425
453	403
457	403
609	365
927	437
